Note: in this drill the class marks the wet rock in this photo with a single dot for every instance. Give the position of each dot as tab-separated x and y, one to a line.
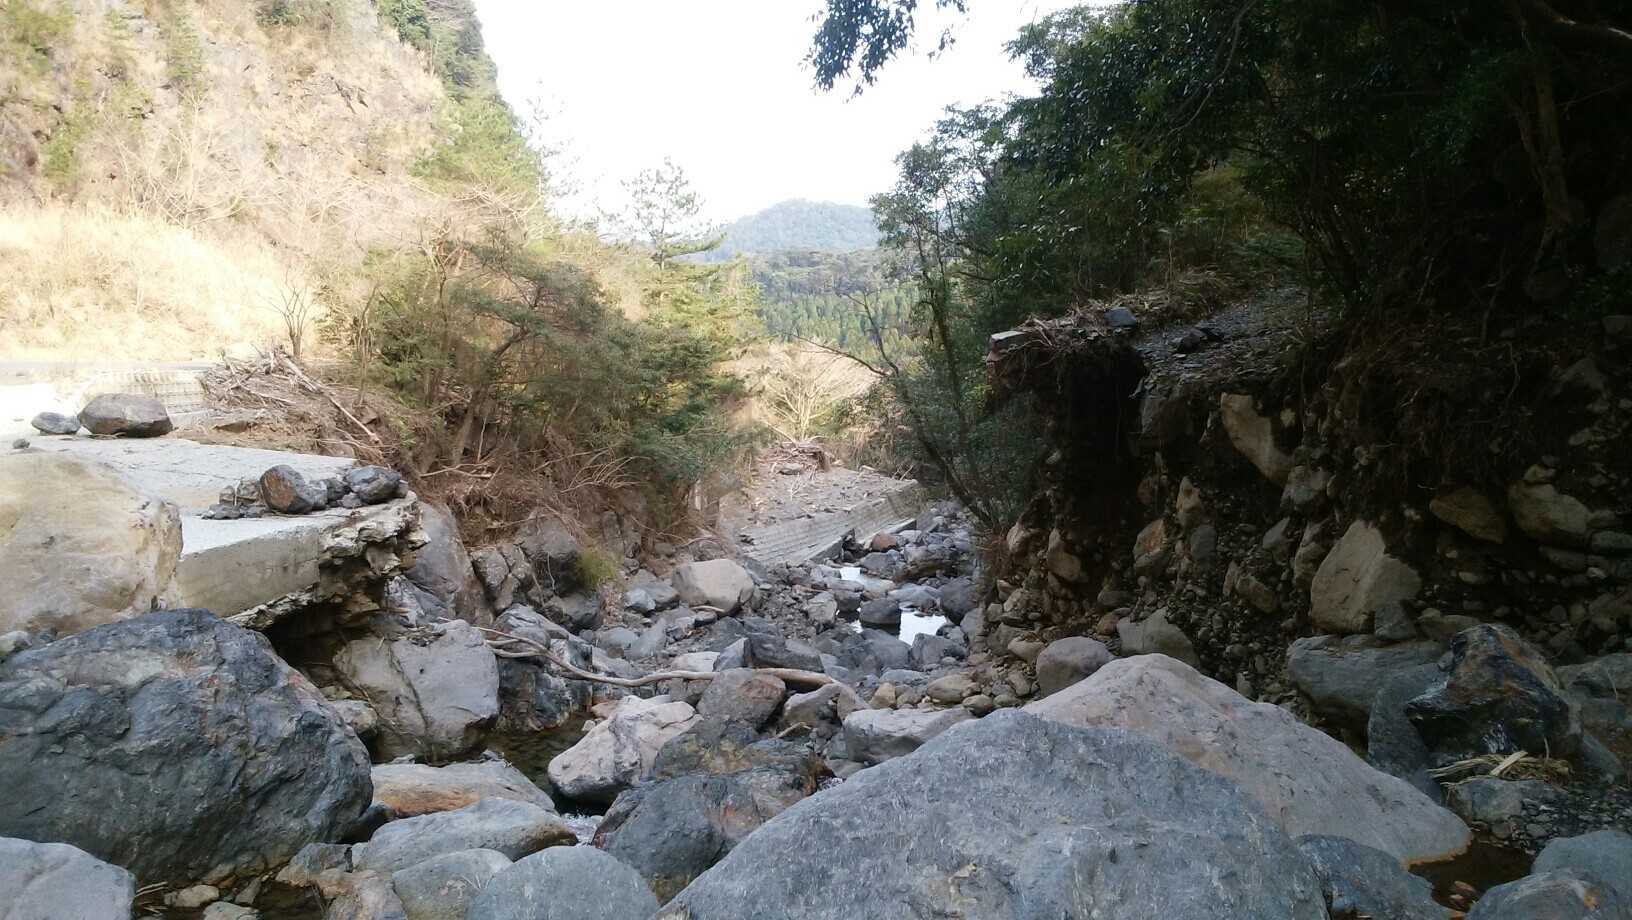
1364	882
619	750
176	745
443	887
1186	843
413	789
882	612
877	735
1469	511
764	651
436	695
286	491
54	881
718	583
1066	661
373	484
1500	696
1356	579
54	423
81	545
1308	781
126	415
513	829
1154	635
1343	675
567	883
1561	895
1254	436
742	695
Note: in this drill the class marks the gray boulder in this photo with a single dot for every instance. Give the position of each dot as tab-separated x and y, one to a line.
413	789
1558	895
54	423
176	745
443	887
764	651
881	612
718	583
1392	743
373	484
567	883
1602	691
442	566
619	750
513	829
81	545
1066	661
1499	697
1342	675
1308	781
128	415
877	735
742	695
436	698
1604	855
1065	823
1364	882
54	881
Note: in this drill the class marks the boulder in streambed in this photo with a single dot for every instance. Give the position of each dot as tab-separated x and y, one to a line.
1048	821
436	692
1364	882
443	887
54	423
418	789
1308	781
514	829
717	583
54	881
618	751
566	883
877	735
80	545
177	746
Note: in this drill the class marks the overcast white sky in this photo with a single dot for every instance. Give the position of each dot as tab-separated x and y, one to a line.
720	86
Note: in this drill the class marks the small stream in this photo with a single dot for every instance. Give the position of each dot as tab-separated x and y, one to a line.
913	622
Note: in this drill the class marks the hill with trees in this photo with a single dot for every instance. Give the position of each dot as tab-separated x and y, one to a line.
800	224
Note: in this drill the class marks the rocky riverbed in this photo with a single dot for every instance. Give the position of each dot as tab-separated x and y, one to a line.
886	733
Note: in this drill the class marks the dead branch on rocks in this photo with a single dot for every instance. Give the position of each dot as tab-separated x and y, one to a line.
500	642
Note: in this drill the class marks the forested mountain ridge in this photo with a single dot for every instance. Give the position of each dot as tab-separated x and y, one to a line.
799	224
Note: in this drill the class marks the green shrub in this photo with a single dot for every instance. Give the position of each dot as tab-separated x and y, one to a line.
597	568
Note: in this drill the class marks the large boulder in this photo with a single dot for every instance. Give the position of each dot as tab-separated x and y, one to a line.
436	694
1342	675
1369	883
418	789
742	695
1306	780
1559	895
717	583
128	415
1047	821
1066	661
1356	580
877	735
568	883
80	545
618	751
513	829
54	881
700	805
176	745
443	887
1499	697
1605	855
442	566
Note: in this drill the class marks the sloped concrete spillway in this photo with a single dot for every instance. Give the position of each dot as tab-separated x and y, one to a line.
256	570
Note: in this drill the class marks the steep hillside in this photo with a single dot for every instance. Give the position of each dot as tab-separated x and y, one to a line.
192	169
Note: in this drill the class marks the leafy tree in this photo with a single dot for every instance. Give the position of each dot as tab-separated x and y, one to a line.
861	36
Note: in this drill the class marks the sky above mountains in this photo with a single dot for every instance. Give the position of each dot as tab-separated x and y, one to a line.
721	88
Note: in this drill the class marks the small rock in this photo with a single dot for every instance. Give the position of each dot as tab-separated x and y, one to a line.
193	898
1469	511
1120	318
373	484
882	612
286	491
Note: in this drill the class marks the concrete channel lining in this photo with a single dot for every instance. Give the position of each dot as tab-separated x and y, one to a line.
190	474
804	539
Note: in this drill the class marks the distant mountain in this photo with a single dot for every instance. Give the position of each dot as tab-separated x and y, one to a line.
800	224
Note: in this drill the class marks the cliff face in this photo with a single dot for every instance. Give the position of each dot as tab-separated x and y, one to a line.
1221	488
